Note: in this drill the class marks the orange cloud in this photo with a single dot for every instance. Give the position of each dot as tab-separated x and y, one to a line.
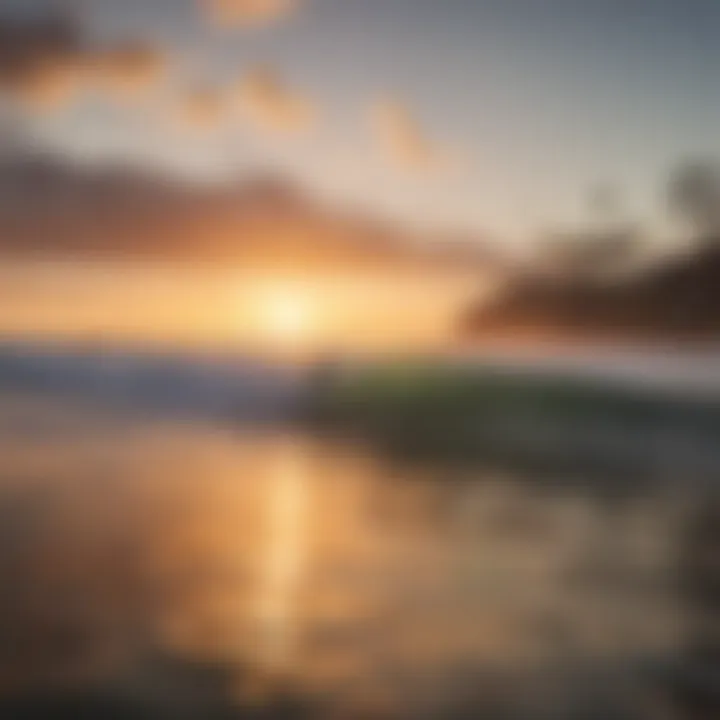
49	88
402	138
46	63
202	109
40	61
247	12
268	103
131	68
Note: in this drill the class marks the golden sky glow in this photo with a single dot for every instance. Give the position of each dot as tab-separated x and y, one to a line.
274	312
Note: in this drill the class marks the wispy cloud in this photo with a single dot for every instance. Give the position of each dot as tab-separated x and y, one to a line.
50	89
46	62
402	138
271	105
202	109
130	68
247	12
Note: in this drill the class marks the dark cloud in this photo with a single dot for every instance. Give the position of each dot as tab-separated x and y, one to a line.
41	56
46	60
49	206
52	208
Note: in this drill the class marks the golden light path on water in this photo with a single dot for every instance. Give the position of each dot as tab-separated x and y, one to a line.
285	556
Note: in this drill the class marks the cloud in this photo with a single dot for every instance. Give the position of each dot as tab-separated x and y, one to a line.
49	89
41	58
46	61
54	207
247	12
202	109
130	68
268	103
402	138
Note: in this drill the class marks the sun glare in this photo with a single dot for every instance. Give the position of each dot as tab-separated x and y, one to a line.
286	316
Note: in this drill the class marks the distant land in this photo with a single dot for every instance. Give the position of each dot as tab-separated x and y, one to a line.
677	301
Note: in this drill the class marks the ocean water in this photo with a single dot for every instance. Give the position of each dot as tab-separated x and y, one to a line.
159	567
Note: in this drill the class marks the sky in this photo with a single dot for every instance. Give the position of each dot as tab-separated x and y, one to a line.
492	116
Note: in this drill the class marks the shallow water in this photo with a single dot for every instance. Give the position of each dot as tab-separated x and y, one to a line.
201	570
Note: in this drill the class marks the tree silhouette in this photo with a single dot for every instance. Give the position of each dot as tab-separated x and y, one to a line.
694	195
605	245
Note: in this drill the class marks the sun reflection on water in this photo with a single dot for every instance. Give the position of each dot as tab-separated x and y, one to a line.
284	557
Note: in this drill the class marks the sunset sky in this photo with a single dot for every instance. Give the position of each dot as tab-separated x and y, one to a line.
320	136
485	115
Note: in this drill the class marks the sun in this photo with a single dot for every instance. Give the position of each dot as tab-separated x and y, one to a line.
286	316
